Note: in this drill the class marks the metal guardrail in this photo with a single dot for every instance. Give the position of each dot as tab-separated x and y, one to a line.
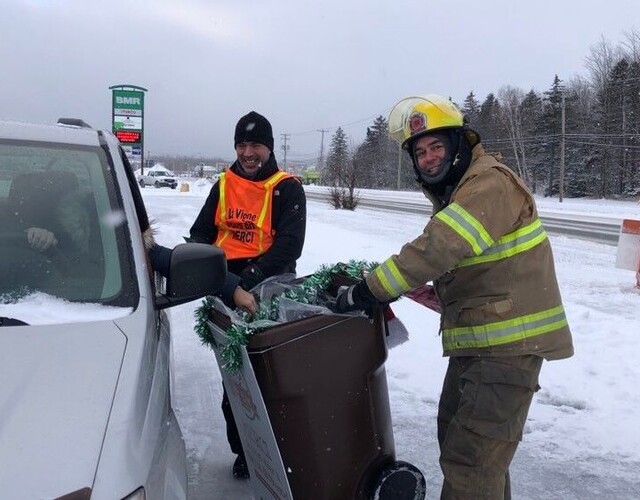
591	228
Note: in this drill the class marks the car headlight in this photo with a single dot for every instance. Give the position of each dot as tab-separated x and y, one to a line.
139	494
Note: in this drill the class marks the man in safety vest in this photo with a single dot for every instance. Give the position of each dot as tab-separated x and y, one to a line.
501	312
257	214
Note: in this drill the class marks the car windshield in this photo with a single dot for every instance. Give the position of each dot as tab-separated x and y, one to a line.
62	229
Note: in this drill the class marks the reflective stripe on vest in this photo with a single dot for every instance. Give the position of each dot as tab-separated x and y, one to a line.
264	238
272	181
504	332
474	233
222	203
467	226
391	279
487	250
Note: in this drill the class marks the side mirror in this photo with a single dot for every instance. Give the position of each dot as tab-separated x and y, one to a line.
196	270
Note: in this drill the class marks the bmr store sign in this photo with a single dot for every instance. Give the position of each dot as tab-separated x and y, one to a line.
128	120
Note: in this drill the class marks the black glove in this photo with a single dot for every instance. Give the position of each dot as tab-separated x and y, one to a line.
251	276
355	297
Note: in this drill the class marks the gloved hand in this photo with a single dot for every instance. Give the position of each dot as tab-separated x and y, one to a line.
251	276
355	297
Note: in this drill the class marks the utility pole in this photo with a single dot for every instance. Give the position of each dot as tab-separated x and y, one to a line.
285	147
624	131
322	131
561	181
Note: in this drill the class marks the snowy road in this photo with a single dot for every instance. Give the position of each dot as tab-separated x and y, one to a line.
582	439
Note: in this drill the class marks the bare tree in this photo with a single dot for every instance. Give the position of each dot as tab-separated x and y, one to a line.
632	44
600	62
511	115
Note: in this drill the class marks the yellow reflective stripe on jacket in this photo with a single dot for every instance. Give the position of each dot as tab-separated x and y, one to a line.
504	332
511	244
223	207
467	226
391	279
265	206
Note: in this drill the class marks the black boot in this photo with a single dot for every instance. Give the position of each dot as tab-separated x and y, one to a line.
240	469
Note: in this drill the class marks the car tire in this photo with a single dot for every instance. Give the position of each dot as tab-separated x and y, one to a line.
141	183
157	184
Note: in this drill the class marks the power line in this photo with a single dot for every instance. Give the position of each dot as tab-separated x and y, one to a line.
343	126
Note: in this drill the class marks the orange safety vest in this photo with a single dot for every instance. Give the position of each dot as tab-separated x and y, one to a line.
243	216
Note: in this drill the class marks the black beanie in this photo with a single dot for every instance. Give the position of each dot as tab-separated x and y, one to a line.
253	127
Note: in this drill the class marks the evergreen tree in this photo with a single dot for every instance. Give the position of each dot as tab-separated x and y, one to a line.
377	154
471	109
337	159
580	167
549	128
617	125
489	124
531	112
632	128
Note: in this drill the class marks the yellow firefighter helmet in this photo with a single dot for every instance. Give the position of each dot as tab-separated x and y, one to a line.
415	116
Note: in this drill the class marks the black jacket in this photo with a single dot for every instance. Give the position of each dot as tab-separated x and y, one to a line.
289	216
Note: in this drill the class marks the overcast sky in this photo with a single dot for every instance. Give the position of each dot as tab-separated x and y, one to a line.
305	65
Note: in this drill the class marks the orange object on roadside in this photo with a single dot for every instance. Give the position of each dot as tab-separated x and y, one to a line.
628	256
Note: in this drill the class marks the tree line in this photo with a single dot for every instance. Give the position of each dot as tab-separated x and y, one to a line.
579	138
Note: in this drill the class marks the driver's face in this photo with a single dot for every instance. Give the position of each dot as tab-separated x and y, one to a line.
429	153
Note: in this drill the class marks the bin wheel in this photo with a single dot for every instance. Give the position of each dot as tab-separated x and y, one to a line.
400	481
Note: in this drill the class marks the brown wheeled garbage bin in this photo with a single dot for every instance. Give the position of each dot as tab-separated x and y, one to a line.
323	382
325	388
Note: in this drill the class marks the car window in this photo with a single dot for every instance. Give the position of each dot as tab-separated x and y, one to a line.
62	227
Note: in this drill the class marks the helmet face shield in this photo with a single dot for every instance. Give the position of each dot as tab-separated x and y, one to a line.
399	116
418	115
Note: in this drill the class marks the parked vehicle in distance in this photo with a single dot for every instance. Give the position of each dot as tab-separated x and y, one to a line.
158	178
86	392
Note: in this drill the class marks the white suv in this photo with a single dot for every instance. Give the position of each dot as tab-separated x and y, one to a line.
86	375
158	178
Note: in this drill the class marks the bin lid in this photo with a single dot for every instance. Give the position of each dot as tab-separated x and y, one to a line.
286	332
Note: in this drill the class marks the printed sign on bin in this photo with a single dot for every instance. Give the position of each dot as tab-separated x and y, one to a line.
267	474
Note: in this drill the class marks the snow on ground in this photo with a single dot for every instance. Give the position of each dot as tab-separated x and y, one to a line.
582	439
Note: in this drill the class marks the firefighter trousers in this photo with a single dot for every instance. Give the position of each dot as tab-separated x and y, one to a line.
481	415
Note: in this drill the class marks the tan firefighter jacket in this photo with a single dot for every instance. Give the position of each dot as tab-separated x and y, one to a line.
492	267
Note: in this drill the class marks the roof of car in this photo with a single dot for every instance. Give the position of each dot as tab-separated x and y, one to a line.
59	133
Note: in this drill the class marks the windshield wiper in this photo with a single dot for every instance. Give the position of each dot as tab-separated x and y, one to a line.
4	321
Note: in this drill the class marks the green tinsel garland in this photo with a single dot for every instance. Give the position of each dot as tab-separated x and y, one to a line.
305	293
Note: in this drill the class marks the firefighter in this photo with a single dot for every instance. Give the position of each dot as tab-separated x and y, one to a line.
491	264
